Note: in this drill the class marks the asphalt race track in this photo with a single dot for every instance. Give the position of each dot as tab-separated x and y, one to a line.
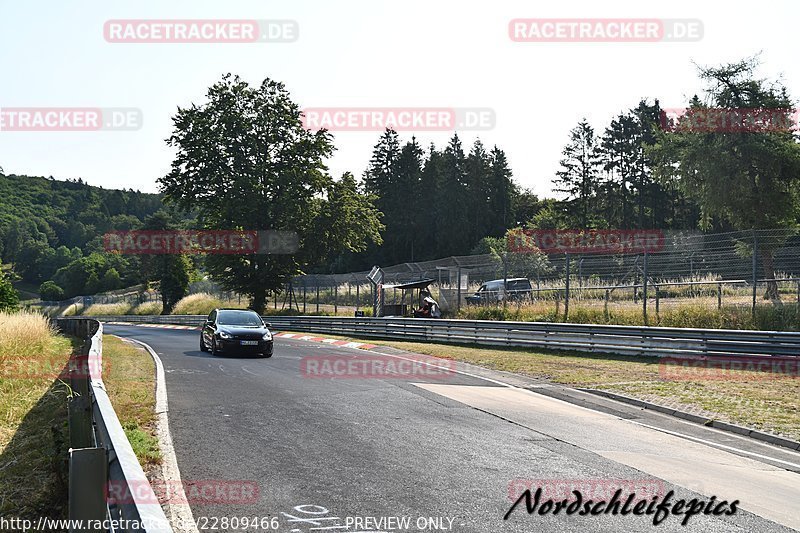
447	451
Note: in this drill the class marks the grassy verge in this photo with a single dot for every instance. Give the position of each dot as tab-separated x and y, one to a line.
770	403
129	375
785	317
33	418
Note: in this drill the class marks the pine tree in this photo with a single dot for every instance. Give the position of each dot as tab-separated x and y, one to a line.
579	174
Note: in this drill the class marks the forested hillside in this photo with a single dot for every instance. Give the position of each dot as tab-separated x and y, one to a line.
52	229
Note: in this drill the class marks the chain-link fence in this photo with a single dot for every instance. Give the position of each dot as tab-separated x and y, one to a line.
690	270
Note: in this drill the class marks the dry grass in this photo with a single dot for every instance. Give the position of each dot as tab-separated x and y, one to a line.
203	303
767	402
129	375
33	432
115	309
147	308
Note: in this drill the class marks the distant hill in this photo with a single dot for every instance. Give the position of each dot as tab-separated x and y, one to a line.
47	225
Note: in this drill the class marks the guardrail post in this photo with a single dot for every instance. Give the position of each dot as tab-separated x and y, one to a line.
79	406
88	478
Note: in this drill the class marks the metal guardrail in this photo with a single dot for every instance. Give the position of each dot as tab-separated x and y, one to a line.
100	454
625	340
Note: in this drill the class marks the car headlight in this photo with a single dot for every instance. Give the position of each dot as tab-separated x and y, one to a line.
223	335
267	336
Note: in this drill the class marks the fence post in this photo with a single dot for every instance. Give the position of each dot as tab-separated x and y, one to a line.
505	281
605	306
317	296
566	295
335	299
719	295
644	290
358	302
798	293
558	303
304	295
458	291
658	318
755	270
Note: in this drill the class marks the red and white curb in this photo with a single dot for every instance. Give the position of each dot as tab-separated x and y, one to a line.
296	336
160	326
335	342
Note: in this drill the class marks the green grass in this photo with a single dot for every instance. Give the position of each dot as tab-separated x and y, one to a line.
129	375
769	403
33	417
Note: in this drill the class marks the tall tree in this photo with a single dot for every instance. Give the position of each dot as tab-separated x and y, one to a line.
245	162
411	200
479	192
452	236
749	179
503	193
579	173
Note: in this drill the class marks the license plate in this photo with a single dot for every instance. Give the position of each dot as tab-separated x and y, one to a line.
249	343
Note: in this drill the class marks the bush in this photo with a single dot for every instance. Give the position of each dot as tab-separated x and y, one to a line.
9	298
50	292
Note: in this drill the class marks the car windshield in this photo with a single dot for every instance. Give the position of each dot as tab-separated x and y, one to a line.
239	318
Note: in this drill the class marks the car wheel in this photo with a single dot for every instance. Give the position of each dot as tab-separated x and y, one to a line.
214	348
203	347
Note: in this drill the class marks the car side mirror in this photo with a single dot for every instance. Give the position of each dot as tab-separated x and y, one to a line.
267	324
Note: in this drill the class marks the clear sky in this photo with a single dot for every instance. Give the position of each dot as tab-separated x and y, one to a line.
371	53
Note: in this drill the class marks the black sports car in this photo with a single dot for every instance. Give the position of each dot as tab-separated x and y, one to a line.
235	330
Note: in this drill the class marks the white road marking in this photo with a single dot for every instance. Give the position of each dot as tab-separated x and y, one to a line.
180	515
714	444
